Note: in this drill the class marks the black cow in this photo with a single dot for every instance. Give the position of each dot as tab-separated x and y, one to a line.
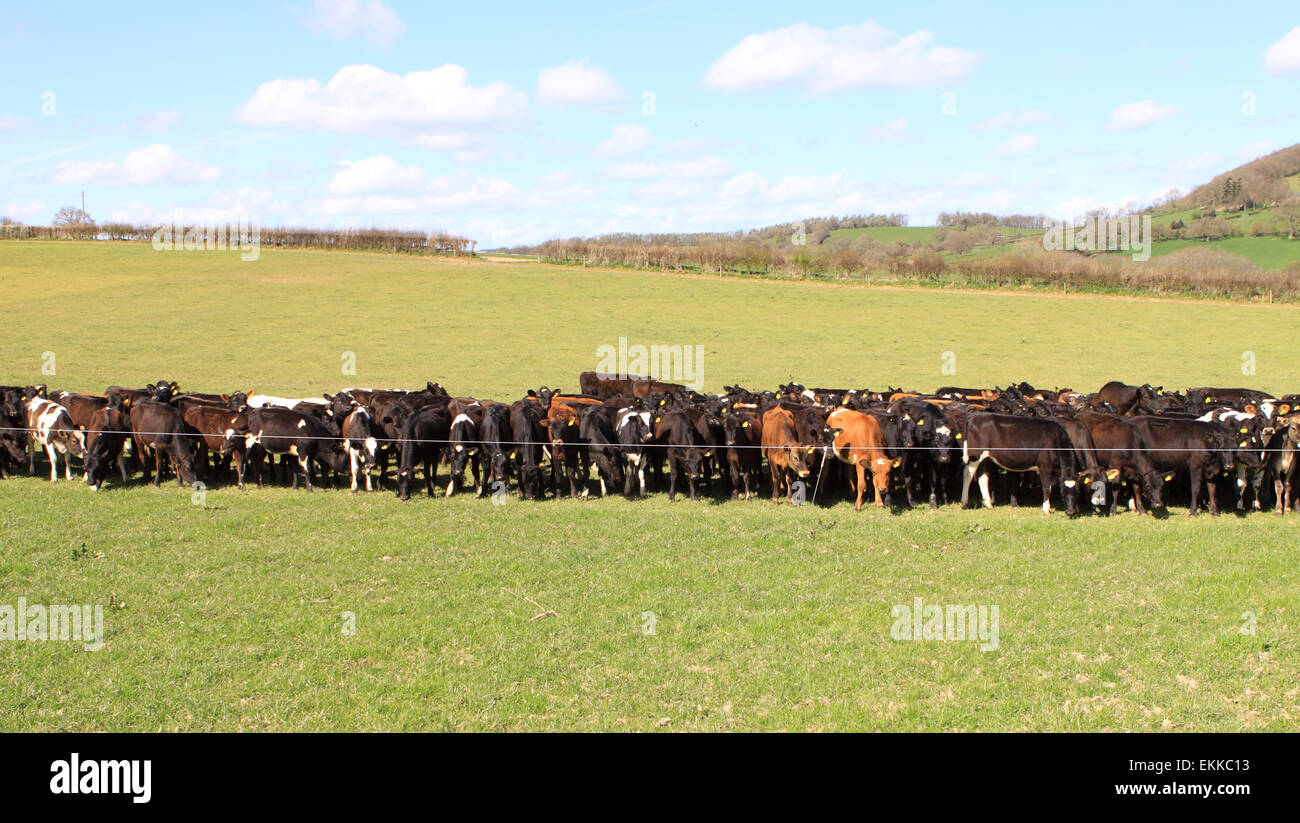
276	430
424	435
1121	449
158	429
528	428
1019	444
1204	450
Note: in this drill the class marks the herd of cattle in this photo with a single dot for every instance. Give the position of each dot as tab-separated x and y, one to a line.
1138	446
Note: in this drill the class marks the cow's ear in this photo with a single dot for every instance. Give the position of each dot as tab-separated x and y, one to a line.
151	387
328	397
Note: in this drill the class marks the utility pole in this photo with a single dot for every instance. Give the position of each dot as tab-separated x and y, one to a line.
83	205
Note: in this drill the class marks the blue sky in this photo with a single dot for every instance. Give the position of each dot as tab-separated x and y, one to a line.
517	123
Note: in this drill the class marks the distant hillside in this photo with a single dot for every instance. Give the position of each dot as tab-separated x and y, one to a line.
1265	181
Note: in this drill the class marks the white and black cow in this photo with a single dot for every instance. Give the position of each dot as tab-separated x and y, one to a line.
53	430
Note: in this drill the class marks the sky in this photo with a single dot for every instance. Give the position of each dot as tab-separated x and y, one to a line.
515	123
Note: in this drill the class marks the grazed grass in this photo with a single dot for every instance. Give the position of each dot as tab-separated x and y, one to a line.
229	615
126	314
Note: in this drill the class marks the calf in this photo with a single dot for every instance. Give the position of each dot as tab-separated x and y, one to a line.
1203	450
107	434
275	430
528	429
927	443
465	444
158	429
53	430
685	448
1282	462
596	427
424	434
786	456
1019	444
860	443
743	435
1125	455
497	443
632	428
220	431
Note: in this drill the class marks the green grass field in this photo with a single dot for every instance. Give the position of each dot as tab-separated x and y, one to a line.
1269	253
227	612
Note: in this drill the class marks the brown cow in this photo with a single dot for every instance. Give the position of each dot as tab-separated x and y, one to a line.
860	443
785	454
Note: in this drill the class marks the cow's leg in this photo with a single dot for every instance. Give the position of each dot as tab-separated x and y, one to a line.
880	473
1196	491
1212	486
157	466
53	455
775	470
1137	497
1279	492
354	457
984	490
672	478
967	474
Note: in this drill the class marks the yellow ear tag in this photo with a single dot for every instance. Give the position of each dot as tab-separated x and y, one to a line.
958	437
512	455
810	449
745	425
657	419
921	422
571	422
1168	477
1242	444
1243	431
1087	480
1208	399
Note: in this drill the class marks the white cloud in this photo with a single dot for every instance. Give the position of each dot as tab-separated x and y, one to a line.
624	140
703	168
351	19
753	187
577	84
435	108
821	61
452	192
1024	117
34	211
379	173
1284	55
157	163
1139	114
1018	145
7	123
156	121
893	132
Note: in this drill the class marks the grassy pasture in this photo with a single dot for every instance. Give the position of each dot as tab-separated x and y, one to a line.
1269	253
227	613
